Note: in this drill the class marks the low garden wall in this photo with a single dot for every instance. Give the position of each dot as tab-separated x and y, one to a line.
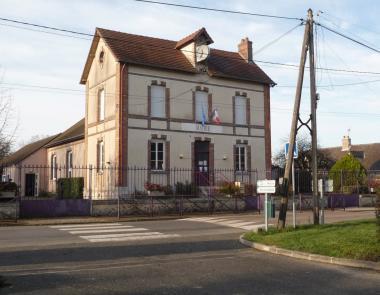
9	210
165	206
54	208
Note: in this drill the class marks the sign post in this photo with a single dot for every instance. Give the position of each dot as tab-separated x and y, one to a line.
322	202
295	156
266	187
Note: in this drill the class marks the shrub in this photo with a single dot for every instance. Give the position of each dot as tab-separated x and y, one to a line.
70	188
185	189
8	187
347	173
229	188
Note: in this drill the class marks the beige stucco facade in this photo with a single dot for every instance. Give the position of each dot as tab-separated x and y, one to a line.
77	149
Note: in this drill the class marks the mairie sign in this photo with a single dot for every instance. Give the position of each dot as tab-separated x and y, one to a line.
266	186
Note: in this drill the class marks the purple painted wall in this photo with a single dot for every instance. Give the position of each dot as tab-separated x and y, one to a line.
54	208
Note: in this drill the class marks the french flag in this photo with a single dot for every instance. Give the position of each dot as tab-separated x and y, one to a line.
215	117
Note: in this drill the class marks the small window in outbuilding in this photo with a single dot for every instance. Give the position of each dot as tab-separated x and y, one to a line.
101	57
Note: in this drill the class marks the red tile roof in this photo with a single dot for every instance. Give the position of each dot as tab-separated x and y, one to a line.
192	37
161	53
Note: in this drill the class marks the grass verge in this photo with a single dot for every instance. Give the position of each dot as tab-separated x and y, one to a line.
353	239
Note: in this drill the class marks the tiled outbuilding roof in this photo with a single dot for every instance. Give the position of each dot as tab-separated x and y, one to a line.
26	151
161	53
74	133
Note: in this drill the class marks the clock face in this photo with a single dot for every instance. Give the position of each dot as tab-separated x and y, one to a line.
202	52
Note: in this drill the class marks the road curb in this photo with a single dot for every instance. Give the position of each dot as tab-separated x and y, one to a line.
79	220
62	221
312	257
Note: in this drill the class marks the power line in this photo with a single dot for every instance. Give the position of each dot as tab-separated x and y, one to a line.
190	51
347	37
276	40
220	10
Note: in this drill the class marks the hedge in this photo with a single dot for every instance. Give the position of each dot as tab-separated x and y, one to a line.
70	188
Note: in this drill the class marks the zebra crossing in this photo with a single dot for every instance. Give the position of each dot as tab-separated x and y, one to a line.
111	232
247	225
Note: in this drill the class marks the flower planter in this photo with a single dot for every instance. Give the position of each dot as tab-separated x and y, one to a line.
156	193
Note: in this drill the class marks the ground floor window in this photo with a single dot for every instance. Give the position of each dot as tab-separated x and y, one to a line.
69	164
157	155
100	157
53	167
240	158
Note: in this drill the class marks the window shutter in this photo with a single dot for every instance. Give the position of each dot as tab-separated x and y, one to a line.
98	156
158	98
201	105
241	110
101	107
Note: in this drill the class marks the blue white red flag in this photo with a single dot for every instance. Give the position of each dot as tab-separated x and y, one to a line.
215	117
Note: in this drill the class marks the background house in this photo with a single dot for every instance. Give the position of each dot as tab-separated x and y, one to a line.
24	167
367	154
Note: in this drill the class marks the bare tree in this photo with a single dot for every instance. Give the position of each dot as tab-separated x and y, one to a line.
303	162
8	125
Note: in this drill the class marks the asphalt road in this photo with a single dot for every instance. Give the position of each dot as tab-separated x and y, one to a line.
191	256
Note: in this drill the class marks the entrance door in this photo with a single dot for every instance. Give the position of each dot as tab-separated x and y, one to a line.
201	156
30	184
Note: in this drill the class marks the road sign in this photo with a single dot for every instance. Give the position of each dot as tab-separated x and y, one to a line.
266	183
266	189
295	154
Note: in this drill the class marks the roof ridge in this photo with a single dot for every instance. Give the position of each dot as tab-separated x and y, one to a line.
137	35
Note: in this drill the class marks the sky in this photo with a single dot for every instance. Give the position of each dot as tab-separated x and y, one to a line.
31	60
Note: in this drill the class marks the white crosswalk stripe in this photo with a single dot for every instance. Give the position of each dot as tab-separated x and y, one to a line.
247	225
111	232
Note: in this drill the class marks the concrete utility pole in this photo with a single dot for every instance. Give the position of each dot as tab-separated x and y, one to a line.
313	117
307	44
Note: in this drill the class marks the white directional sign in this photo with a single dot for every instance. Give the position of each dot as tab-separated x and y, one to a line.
266	189
266	183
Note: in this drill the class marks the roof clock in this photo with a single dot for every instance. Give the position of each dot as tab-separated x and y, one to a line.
202	52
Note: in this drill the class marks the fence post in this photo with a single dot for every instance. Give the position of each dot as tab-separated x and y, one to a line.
90	187
118	205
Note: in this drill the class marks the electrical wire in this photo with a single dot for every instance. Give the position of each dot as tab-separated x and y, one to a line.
138	45
347	37
219	10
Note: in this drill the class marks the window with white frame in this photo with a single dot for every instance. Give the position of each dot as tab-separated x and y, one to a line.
53	167
100	156
240	110
101	105
240	158
201	106
69	164
158	97
157	155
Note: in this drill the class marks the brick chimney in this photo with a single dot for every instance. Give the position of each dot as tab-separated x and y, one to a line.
346	144
245	49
